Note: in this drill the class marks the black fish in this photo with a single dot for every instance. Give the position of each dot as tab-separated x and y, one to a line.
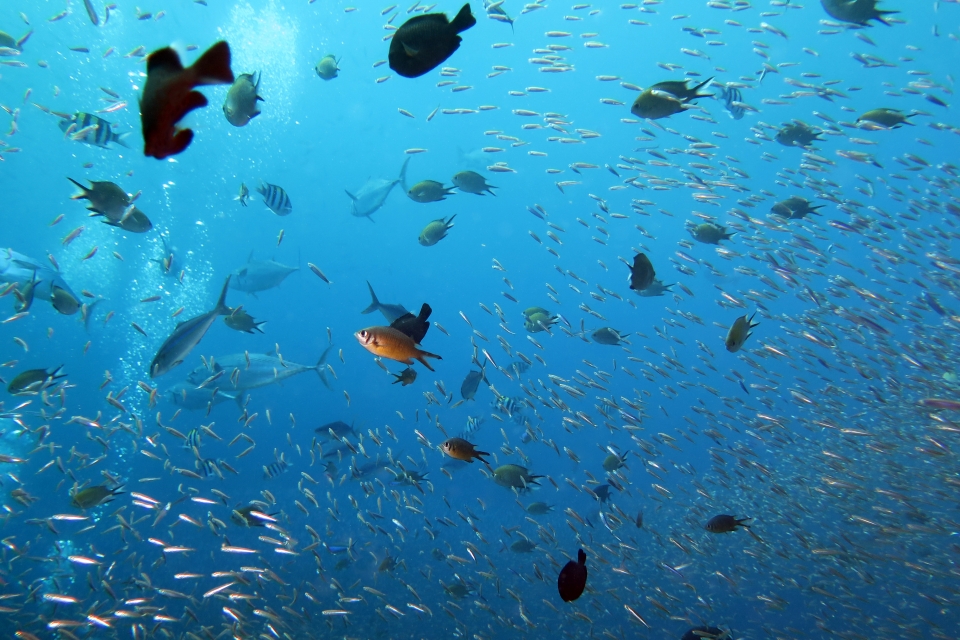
641	273
602	493
705	633
424	42
573	578
414	326
725	524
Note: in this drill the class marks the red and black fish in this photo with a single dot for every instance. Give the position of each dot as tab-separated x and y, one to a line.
168	96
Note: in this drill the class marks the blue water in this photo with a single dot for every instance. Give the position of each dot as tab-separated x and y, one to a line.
850	482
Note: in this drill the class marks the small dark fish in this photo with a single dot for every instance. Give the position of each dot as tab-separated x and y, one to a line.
468	390
241	105
573	578
94	496
725	523
63	301
240	320
602	493
706	633
168	96
340	429
414	326
424	42
32	380
134	221
92	13
856	11
641	273
798	134
405	377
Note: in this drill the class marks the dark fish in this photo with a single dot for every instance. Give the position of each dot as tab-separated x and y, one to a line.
240	320
134	221
889	118
32	380
414	326
186	336
63	300
680	89
798	134
424	42
92	13
573	578
275	198
856	11
468	390
725	523
705	633
241	106
602	493
641	273
405	377
168	96
106	198
93	496
795	208
340	429
92	130
732	99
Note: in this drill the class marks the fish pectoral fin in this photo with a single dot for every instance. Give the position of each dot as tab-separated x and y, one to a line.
410	51
352	197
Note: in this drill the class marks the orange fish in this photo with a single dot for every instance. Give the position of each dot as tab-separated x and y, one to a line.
387	342
462	450
168	96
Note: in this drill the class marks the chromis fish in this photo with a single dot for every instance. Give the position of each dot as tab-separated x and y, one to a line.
91	497
33	380
329	67
429	191
436	231
241	105
739	332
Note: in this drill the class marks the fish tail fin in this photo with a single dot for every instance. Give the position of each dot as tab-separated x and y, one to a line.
86	192
422	355
213	67
403	175
374	303
319	368
464	19
22	41
121	139
222	308
696	89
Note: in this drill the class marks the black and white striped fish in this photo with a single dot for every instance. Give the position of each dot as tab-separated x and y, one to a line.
473	425
275	469
733	102
209	467
192	441
88	128
275	198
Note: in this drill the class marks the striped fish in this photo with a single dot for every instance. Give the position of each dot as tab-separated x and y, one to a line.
88	128
733	101
275	469
192	441
208	467
275	198
473	425
509	407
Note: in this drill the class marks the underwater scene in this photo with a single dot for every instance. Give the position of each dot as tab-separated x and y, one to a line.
343	319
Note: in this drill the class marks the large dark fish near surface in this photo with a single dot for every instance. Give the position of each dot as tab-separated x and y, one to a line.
414	326
424	42
573	578
168	96
186	336
856	11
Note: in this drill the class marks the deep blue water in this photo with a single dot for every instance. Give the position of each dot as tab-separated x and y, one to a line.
850	481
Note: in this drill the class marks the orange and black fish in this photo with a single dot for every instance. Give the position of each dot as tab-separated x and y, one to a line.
424	42
168	96
414	326
390	343
573	578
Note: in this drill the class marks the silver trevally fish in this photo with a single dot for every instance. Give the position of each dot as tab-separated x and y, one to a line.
186	336
242	372
260	275
189	397
374	192
21	269
390	311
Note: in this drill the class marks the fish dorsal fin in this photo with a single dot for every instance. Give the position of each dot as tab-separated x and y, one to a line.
352	197
166	59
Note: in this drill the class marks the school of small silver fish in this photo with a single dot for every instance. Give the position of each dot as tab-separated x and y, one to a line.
735	414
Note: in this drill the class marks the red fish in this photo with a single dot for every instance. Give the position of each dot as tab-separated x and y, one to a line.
168	96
